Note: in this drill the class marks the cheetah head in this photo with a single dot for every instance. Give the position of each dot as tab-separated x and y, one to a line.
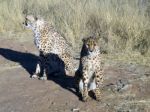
32	22
91	44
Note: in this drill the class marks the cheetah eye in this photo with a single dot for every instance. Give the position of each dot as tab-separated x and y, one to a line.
27	21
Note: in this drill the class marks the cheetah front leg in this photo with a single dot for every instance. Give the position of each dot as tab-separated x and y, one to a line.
45	68
77	80
84	92
42	64
98	81
38	69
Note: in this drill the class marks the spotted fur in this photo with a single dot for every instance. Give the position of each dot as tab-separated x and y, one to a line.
48	41
89	74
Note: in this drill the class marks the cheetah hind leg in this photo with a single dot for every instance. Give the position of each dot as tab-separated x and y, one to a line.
69	69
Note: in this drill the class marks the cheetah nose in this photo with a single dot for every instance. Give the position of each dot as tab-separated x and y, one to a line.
91	50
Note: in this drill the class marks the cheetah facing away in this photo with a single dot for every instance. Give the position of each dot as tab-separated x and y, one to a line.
48	41
89	74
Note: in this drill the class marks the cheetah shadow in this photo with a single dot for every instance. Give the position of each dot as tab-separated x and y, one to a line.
28	61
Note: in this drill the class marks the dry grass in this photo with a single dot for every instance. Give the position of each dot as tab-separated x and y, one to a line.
123	26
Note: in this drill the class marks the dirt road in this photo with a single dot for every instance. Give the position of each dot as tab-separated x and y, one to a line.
126	88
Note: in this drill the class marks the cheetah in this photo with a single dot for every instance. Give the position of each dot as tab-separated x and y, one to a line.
48	41
89	75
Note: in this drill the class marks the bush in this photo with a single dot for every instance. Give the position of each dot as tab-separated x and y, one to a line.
123	26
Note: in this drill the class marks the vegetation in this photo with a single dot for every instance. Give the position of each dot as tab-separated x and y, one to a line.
123	26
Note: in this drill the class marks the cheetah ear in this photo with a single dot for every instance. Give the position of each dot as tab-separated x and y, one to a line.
30	17
96	38
84	40
25	12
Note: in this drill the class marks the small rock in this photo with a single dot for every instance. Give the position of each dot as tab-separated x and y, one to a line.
53	103
147	74
75	110
121	85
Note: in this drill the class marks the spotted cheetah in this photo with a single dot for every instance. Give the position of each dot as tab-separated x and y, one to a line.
48	41
89	74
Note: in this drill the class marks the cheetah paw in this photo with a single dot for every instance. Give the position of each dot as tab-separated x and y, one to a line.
34	76
98	99
84	99
43	78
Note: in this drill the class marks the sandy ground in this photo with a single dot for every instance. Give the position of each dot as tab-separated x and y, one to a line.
126	88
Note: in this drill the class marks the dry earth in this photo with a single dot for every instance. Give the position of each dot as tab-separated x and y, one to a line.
126	87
